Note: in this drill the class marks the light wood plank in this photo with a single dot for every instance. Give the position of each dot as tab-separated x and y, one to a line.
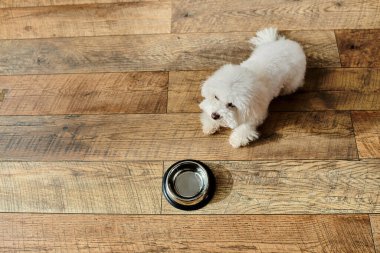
85	20
375	224
247	15
359	48
325	135
367	132
184	91
319	46
324	89
187	233
81	187
142	92
34	3
147	52
292	187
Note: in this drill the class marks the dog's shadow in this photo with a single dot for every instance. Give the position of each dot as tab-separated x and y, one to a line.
298	111
310	97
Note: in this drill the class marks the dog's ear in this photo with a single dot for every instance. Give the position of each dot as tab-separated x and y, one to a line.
205	91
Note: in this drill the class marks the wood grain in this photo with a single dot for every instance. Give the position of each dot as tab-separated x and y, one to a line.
34	3
85	20
324	89
146	52
246	15
81	187
268	187
375	224
359	48
326	135
187	233
140	92
367	132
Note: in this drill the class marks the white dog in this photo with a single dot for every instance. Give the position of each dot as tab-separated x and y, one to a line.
238	96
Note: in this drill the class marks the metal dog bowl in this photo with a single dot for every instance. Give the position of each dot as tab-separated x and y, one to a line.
188	185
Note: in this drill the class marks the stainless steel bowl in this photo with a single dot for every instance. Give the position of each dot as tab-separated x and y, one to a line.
188	185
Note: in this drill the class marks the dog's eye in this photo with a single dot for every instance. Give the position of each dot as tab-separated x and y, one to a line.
216	98
231	105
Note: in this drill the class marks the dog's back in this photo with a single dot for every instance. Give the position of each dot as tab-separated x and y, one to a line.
279	60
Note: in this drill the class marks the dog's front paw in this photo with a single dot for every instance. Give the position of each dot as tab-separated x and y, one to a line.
209	129
241	137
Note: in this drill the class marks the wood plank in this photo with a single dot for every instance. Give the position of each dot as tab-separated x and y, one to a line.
328	100
141	92
34	3
324	89
81	187
246	15
342	79
85	20
268	187
375	224
319	46
367	132
184	91
186	233
359	48
325	135
146	52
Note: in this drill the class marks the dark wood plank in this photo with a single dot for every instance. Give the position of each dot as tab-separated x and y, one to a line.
144	17
147	52
324	89
187	233
268	187
375	223
142	92
367	132
327	100
342	79
81	187
247	15
325	135
359	48
34	3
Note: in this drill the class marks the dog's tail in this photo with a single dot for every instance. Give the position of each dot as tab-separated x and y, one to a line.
265	36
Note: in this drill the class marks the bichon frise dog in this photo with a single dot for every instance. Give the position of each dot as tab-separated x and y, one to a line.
238	96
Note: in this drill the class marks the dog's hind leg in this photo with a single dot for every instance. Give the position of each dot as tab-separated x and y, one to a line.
291	86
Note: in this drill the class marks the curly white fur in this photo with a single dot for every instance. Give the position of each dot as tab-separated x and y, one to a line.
238	96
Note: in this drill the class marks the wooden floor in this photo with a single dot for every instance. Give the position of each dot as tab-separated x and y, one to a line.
99	97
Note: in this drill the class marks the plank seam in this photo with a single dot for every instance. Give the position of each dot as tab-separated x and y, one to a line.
353	129
162	174
156	70
174	34
158	160
77	5
337	46
372	233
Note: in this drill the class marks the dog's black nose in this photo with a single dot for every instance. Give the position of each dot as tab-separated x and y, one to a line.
215	116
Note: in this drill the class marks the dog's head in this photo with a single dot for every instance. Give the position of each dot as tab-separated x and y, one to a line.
227	95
